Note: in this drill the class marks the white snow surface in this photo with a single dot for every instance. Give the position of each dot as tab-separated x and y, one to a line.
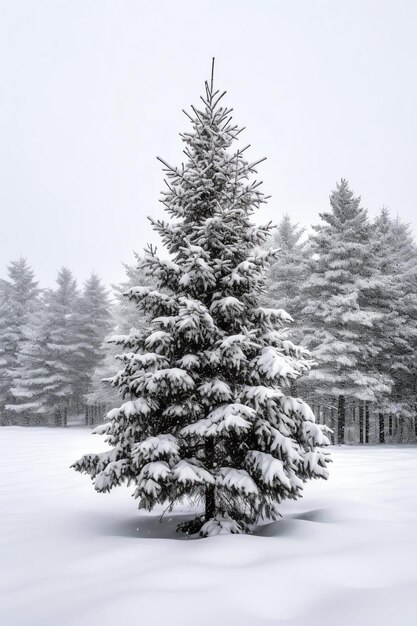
344	554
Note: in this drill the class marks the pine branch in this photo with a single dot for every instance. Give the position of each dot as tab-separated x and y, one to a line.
168	185
218	99
150	248
207	91
187	114
169	167
206	103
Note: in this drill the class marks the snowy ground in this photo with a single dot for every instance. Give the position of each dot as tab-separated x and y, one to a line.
345	554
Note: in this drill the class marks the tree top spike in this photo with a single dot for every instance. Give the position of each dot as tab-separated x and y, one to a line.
212	74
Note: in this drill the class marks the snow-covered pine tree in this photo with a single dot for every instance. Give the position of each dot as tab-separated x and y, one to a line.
405	250
18	298
125	317
207	416
395	297
338	319
287	274
7	353
65	347
93	321
31	378
44	385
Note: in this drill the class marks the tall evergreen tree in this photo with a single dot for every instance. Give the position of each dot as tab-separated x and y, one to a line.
125	317
395	297
337	318
286	276
93	323
18	298
207	415
31	378
44	384
65	346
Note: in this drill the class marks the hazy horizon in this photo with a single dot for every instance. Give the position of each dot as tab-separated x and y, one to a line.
92	92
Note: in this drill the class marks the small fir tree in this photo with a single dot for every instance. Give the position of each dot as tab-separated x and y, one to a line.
207	416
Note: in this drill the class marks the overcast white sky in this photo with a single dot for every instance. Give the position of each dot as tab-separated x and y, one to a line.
91	91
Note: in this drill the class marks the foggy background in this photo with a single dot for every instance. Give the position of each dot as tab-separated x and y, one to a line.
92	91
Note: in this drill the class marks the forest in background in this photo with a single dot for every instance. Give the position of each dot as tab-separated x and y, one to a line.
349	285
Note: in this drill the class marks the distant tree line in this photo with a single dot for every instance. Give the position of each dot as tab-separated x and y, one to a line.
350	285
55	347
50	342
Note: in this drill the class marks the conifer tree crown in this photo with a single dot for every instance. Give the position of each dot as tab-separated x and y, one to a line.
18	298
338	314
206	416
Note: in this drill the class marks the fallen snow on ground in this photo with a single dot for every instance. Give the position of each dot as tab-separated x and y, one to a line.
345	554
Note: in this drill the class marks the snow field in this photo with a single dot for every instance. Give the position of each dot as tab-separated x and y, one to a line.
344	554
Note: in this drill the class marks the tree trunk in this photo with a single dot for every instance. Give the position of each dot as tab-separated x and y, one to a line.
367	424
399	430
341	414
334	426
381	428
210	489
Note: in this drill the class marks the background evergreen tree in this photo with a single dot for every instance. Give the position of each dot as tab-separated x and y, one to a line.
338	318
65	346
395	298
288	273
18	299
207	417
45	381
125	317
31	378
93	321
